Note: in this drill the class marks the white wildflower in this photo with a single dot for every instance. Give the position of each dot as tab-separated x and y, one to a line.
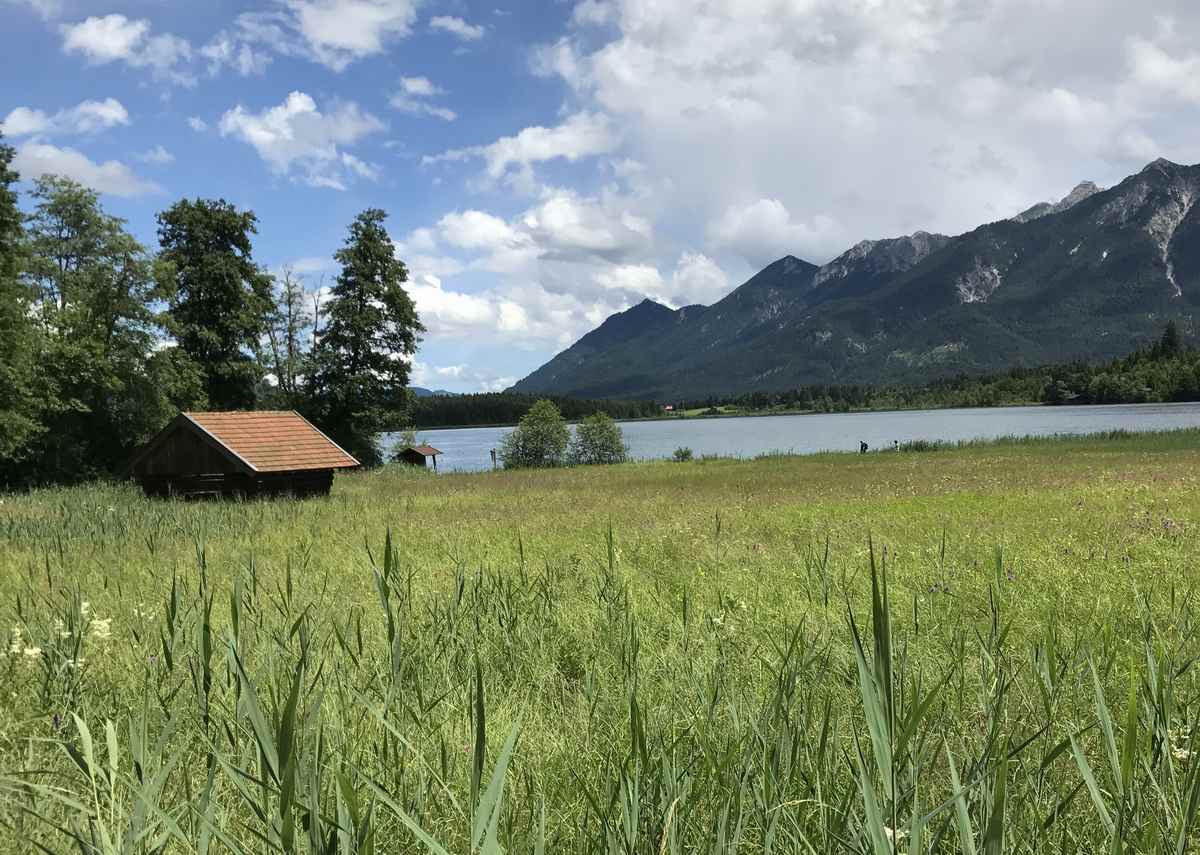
894	836
85	608
75	664
102	629
61	628
16	645
32	654
1181	754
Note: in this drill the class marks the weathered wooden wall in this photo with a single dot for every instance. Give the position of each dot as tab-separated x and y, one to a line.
183	453
185	464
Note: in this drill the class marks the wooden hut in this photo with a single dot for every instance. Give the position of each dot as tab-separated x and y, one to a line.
420	455
239	454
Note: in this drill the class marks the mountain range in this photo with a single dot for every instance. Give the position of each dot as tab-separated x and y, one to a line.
1088	277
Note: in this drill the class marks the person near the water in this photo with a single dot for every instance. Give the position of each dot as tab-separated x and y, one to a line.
862	447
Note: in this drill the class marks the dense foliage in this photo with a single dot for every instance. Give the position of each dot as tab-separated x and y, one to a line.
21	399
539	440
361	360
102	341
219	300
506	408
597	440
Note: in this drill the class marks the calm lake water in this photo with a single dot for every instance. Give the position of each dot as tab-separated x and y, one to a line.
467	449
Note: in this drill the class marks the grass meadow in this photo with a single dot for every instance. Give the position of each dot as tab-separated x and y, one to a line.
982	649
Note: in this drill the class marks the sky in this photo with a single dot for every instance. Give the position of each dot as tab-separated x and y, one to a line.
546	163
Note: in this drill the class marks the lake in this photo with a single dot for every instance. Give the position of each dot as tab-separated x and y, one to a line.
468	449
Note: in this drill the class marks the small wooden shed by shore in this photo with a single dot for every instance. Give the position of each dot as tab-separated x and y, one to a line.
264	453
420	455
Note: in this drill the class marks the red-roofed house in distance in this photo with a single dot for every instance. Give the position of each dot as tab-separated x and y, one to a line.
242	454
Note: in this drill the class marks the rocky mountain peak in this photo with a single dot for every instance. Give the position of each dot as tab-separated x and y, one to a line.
1083	190
891	255
1118	262
1161	165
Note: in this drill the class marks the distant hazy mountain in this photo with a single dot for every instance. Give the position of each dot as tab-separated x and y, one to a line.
1089	277
429	393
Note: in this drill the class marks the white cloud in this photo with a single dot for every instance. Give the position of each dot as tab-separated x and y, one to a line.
23	121
157	155
410	98
105	39
463	376
230	51
1156	69
498	383
555	270
457	27
763	231
479	230
451	313
568	225
421	87
360	167
872	118
86	117
408	105
114	37
593	13
581	135
737	132
698	279
297	137
197	124
36	159
423	374
333	33
632	278
307	265
338	32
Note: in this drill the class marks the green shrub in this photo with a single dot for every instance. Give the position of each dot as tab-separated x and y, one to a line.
539	441
597	440
682	454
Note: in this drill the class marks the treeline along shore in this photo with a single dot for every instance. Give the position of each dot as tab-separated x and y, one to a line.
1158	372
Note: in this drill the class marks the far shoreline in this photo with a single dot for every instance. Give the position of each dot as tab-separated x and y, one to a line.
756	414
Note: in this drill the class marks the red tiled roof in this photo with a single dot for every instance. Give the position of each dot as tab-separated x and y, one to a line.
273	441
427	450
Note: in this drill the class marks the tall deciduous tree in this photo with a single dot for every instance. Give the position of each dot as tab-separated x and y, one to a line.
288	332
21	400
219	300
94	286
371	330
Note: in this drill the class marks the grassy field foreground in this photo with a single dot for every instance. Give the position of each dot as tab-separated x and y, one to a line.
649	658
